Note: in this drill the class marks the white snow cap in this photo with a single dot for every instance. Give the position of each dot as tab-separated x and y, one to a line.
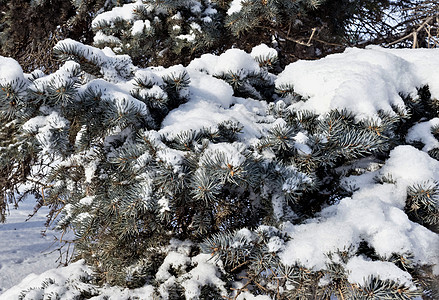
236	61
100	37
235	7
263	50
233	60
125	12
361	81
422	132
360	269
408	165
10	70
139	26
425	64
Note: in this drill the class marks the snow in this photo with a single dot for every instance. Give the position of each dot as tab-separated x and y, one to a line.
177	16
207	19
66	283
275	244
100	37
23	250
211	102
10	70
125	12
373	214
113	67
89	171
409	166
360	269
361	81
188	37
119	94
211	89
235	7
425	65
195	7
422	132
139	26
148	75
173	260
34	281
43	128
173	71
236	61
301	140
233	153
87	200
204	273
164	205
204	63
263	51
210	11
250	296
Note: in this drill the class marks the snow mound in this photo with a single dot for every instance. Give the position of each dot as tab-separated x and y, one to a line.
425	65
125	12
235	61
422	132
10	70
374	214
360	269
361	81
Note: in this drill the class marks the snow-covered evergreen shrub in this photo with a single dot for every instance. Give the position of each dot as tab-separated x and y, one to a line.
190	182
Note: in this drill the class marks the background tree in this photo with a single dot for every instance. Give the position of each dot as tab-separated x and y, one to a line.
404	23
31	28
183	30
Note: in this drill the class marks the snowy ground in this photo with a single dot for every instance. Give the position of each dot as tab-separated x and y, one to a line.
23	250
